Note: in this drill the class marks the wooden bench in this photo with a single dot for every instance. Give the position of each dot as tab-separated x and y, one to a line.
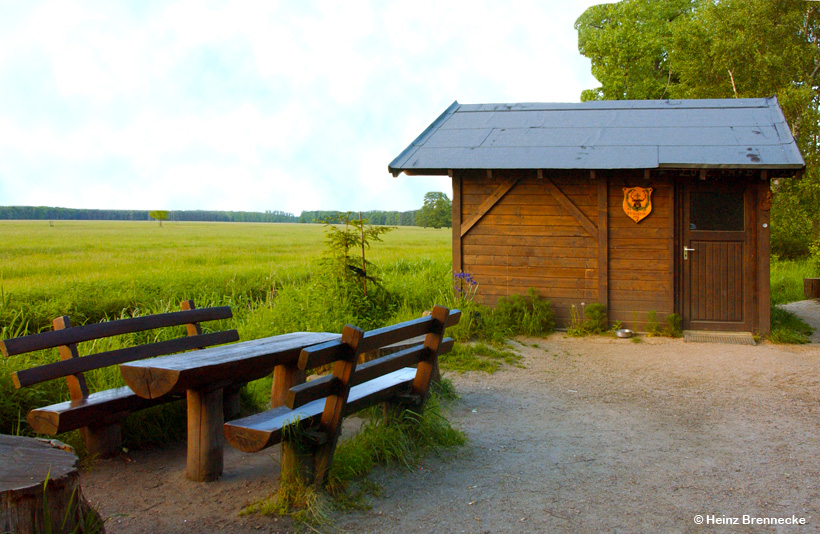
318	406
100	414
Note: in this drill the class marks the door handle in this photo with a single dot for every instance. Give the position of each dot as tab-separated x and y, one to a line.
686	251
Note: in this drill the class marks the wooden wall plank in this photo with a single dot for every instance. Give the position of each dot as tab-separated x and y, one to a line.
569	206
457	210
488	204
603	241
529	260
764	199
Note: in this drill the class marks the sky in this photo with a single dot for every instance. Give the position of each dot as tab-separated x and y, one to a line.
258	105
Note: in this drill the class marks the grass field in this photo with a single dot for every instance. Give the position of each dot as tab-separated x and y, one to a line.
95	270
272	275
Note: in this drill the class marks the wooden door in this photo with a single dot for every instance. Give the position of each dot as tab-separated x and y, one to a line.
718	256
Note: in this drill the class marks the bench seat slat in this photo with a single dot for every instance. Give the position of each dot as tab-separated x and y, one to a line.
100	406
326	353
324	386
99	360
262	430
78	334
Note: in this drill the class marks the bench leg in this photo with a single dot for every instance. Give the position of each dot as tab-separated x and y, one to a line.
297	464
230	402
103	441
205	421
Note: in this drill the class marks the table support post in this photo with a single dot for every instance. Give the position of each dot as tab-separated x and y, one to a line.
284	377
205	421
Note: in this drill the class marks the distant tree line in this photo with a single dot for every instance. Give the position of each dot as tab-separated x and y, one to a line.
389	218
420	217
50	213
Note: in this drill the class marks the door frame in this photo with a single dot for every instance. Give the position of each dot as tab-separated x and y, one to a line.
749	258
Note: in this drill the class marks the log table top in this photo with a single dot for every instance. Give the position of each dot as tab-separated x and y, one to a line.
209	378
233	363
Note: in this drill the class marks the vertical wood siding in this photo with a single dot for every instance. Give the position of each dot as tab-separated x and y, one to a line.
641	277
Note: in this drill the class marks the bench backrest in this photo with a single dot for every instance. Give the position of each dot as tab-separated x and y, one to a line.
344	354
71	366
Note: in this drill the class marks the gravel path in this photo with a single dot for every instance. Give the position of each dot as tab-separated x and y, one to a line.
593	435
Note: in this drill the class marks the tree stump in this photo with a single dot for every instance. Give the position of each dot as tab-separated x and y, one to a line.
811	287
40	489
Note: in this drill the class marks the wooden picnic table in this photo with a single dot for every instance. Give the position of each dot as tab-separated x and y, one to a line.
205	374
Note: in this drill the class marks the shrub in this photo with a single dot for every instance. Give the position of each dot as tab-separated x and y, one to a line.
672	328
592	319
525	314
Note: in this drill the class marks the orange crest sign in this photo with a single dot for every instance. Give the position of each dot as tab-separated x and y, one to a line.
637	202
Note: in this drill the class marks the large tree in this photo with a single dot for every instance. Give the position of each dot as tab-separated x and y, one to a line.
437	211
650	49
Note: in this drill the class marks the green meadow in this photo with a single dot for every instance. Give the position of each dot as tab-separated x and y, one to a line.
277	278
102	270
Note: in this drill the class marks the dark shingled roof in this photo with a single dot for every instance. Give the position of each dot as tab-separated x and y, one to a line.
743	133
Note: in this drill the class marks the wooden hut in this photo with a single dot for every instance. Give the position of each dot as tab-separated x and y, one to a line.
643	206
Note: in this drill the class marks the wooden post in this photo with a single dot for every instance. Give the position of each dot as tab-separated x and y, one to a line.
603	241
331	422
764	201
427	367
457	211
230	396
101	440
284	378
205	445
76	383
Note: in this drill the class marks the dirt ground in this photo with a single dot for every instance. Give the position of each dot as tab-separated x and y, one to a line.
592	435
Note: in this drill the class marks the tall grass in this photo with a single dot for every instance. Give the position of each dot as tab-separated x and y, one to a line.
270	275
787	279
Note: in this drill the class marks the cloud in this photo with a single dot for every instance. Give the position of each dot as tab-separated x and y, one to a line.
257	105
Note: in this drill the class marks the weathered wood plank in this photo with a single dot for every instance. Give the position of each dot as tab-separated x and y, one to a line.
318	388
205	422
531	261
97	407
664	286
523	210
238	362
487	205
764	291
257	432
77	387
567	204
285	377
458	209
99	360
581	250
315	356
78	334
603	242
330	422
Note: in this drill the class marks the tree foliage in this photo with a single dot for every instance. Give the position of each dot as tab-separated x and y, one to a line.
654	49
437	211
352	238
159	215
